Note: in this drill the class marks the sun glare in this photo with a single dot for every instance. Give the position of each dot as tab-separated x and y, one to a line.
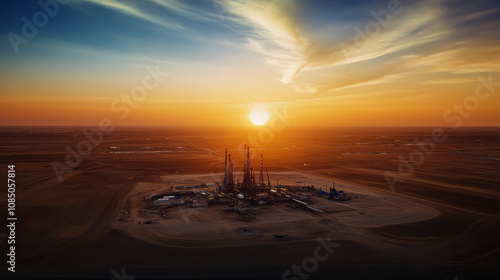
259	116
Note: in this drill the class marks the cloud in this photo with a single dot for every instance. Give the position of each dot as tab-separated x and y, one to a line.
186	11
424	36
272	33
156	11
320	56
280	36
136	10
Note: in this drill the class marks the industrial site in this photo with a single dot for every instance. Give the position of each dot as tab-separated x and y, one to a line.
217	213
223	208
244	197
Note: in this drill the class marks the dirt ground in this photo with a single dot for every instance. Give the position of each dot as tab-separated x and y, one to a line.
440	223
211	226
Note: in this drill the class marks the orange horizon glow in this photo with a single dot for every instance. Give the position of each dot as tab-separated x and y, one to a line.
279	57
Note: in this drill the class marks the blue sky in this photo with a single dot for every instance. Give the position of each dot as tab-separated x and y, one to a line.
255	51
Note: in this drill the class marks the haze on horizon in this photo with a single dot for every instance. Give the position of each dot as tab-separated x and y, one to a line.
226	58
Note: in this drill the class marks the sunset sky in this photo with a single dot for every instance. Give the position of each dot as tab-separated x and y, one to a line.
338	63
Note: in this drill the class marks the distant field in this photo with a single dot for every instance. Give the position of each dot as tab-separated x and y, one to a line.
69	227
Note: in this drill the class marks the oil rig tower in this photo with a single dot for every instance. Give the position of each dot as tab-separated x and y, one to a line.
228	171
249	185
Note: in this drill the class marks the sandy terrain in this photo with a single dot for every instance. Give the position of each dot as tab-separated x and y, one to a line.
211	226
442	222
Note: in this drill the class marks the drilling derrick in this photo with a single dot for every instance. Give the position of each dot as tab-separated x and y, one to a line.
245	178
229	173
249	176
261	172
225	168
247	169
253	178
250	183
268	180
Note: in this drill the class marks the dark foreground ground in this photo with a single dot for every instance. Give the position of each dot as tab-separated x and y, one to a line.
64	228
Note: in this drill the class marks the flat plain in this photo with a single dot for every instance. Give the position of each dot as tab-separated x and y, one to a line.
441	222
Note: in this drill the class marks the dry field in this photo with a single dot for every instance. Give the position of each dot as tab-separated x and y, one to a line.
442	222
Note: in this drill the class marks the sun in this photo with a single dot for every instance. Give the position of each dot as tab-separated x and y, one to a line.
259	116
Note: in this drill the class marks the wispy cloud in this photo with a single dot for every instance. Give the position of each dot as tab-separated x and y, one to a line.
138	10
422	34
427	36
273	33
187	11
279	36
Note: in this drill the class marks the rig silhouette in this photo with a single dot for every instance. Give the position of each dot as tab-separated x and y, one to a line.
249	185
